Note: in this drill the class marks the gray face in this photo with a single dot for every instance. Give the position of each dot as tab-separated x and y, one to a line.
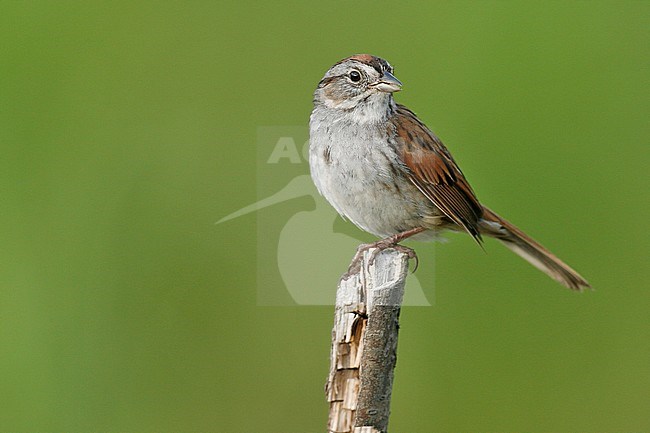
355	80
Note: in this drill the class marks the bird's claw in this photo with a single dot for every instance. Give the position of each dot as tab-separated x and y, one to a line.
380	245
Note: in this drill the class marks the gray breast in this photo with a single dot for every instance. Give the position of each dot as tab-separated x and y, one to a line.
356	169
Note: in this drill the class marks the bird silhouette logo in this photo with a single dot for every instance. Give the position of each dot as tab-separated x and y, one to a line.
310	254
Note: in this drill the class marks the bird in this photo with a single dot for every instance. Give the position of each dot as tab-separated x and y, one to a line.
384	170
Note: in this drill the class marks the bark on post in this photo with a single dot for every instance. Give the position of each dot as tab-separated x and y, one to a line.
364	344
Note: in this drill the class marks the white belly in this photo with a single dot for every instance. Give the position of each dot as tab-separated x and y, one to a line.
354	171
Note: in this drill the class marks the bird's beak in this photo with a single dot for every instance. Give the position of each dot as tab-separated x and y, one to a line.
388	83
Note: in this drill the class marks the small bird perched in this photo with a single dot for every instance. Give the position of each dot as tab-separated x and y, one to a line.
384	170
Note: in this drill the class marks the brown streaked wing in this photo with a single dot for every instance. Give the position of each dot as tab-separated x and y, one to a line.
434	172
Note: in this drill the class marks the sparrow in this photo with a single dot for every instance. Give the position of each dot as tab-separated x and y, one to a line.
382	169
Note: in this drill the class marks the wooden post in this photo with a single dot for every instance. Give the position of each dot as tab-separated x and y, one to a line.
364	344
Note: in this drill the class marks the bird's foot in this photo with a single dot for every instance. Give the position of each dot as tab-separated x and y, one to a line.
380	245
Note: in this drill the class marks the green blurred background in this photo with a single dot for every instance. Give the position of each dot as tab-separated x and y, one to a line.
129	128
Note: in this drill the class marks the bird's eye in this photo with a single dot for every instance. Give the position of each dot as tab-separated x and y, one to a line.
355	76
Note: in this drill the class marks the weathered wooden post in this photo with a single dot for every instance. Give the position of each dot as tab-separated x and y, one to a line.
364	343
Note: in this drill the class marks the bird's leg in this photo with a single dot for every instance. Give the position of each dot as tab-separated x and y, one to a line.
382	244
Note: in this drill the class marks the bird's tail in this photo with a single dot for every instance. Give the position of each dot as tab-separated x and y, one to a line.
494	226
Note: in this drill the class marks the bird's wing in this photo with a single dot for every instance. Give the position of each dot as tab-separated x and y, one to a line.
431	168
